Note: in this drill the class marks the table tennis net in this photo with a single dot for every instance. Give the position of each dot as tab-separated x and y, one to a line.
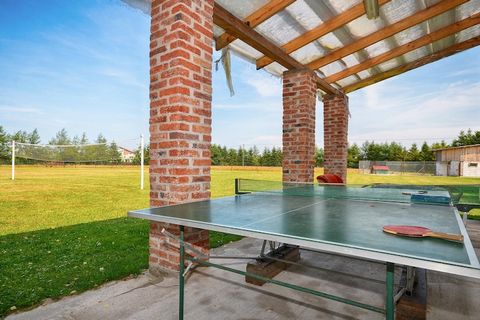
405	194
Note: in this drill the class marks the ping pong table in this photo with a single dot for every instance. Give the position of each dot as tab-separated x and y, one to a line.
342	220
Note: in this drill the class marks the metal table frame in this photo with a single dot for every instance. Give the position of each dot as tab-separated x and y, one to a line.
389	280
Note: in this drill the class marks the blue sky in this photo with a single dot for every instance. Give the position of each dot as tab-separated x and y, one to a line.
83	65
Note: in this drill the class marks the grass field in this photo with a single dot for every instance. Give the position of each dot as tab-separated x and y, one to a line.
64	230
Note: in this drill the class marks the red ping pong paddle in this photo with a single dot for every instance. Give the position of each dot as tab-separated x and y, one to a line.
419	232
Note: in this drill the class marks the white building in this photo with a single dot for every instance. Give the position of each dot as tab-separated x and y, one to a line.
126	155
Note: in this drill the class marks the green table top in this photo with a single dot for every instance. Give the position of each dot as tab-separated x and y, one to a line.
335	219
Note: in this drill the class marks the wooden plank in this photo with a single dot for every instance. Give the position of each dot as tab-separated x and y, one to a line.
319	31
414	307
386	32
254	19
270	268
234	26
415	64
410	46
473	229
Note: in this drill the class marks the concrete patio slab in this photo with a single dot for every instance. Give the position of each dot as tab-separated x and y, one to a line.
216	294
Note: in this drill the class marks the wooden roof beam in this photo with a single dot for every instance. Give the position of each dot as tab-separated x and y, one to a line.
254	19
415	64
319	31
410	46
236	27
386	32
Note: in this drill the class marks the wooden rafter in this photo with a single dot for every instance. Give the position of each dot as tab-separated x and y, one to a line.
415	64
319	31
410	46
386	32
236	27
254	19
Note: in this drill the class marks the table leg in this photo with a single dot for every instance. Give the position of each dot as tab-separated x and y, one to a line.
389	308
181	276
410	280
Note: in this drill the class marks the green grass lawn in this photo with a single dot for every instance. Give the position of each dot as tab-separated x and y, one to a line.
64	230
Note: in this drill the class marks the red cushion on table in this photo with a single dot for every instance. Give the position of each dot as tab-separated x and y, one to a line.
329	178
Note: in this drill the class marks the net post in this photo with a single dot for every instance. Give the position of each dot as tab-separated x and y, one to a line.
237	186
142	157
13	159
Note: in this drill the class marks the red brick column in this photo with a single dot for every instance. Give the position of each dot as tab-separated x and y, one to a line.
299	98
180	116
335	128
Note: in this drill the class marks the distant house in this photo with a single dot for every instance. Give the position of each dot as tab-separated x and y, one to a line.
380	169
458	161
126	155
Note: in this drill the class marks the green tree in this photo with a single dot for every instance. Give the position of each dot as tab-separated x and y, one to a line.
34	137
216	155
466	138
255	156
101	150
4	146
232	157
353	156
439	145
413	153
319	157
20	136
84	139
76	140
61	138
426	153
113	153
396	152
100	139
277	157
374	152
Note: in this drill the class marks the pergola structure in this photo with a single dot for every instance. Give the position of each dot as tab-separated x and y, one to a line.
330	47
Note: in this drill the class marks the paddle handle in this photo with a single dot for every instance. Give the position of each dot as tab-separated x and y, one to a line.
446	236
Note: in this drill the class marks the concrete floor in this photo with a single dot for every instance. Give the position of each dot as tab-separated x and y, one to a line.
215	294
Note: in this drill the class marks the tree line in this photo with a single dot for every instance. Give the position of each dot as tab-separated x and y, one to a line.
221	155
60	148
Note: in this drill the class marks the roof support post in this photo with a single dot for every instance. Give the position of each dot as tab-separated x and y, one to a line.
335	135
180	117
299	99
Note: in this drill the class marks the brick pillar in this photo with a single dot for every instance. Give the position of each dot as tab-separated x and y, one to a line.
180	116
299	98
335	132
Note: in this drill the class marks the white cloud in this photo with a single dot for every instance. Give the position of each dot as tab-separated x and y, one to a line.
20	109
260	106
123	76
408	117
265	84
372	96
265	140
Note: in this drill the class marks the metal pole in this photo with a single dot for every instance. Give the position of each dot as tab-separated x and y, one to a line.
389	305
237	186
243	155
181	276
142	157
290	286
13	160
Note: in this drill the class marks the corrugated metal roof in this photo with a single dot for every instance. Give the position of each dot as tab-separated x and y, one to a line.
353	47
